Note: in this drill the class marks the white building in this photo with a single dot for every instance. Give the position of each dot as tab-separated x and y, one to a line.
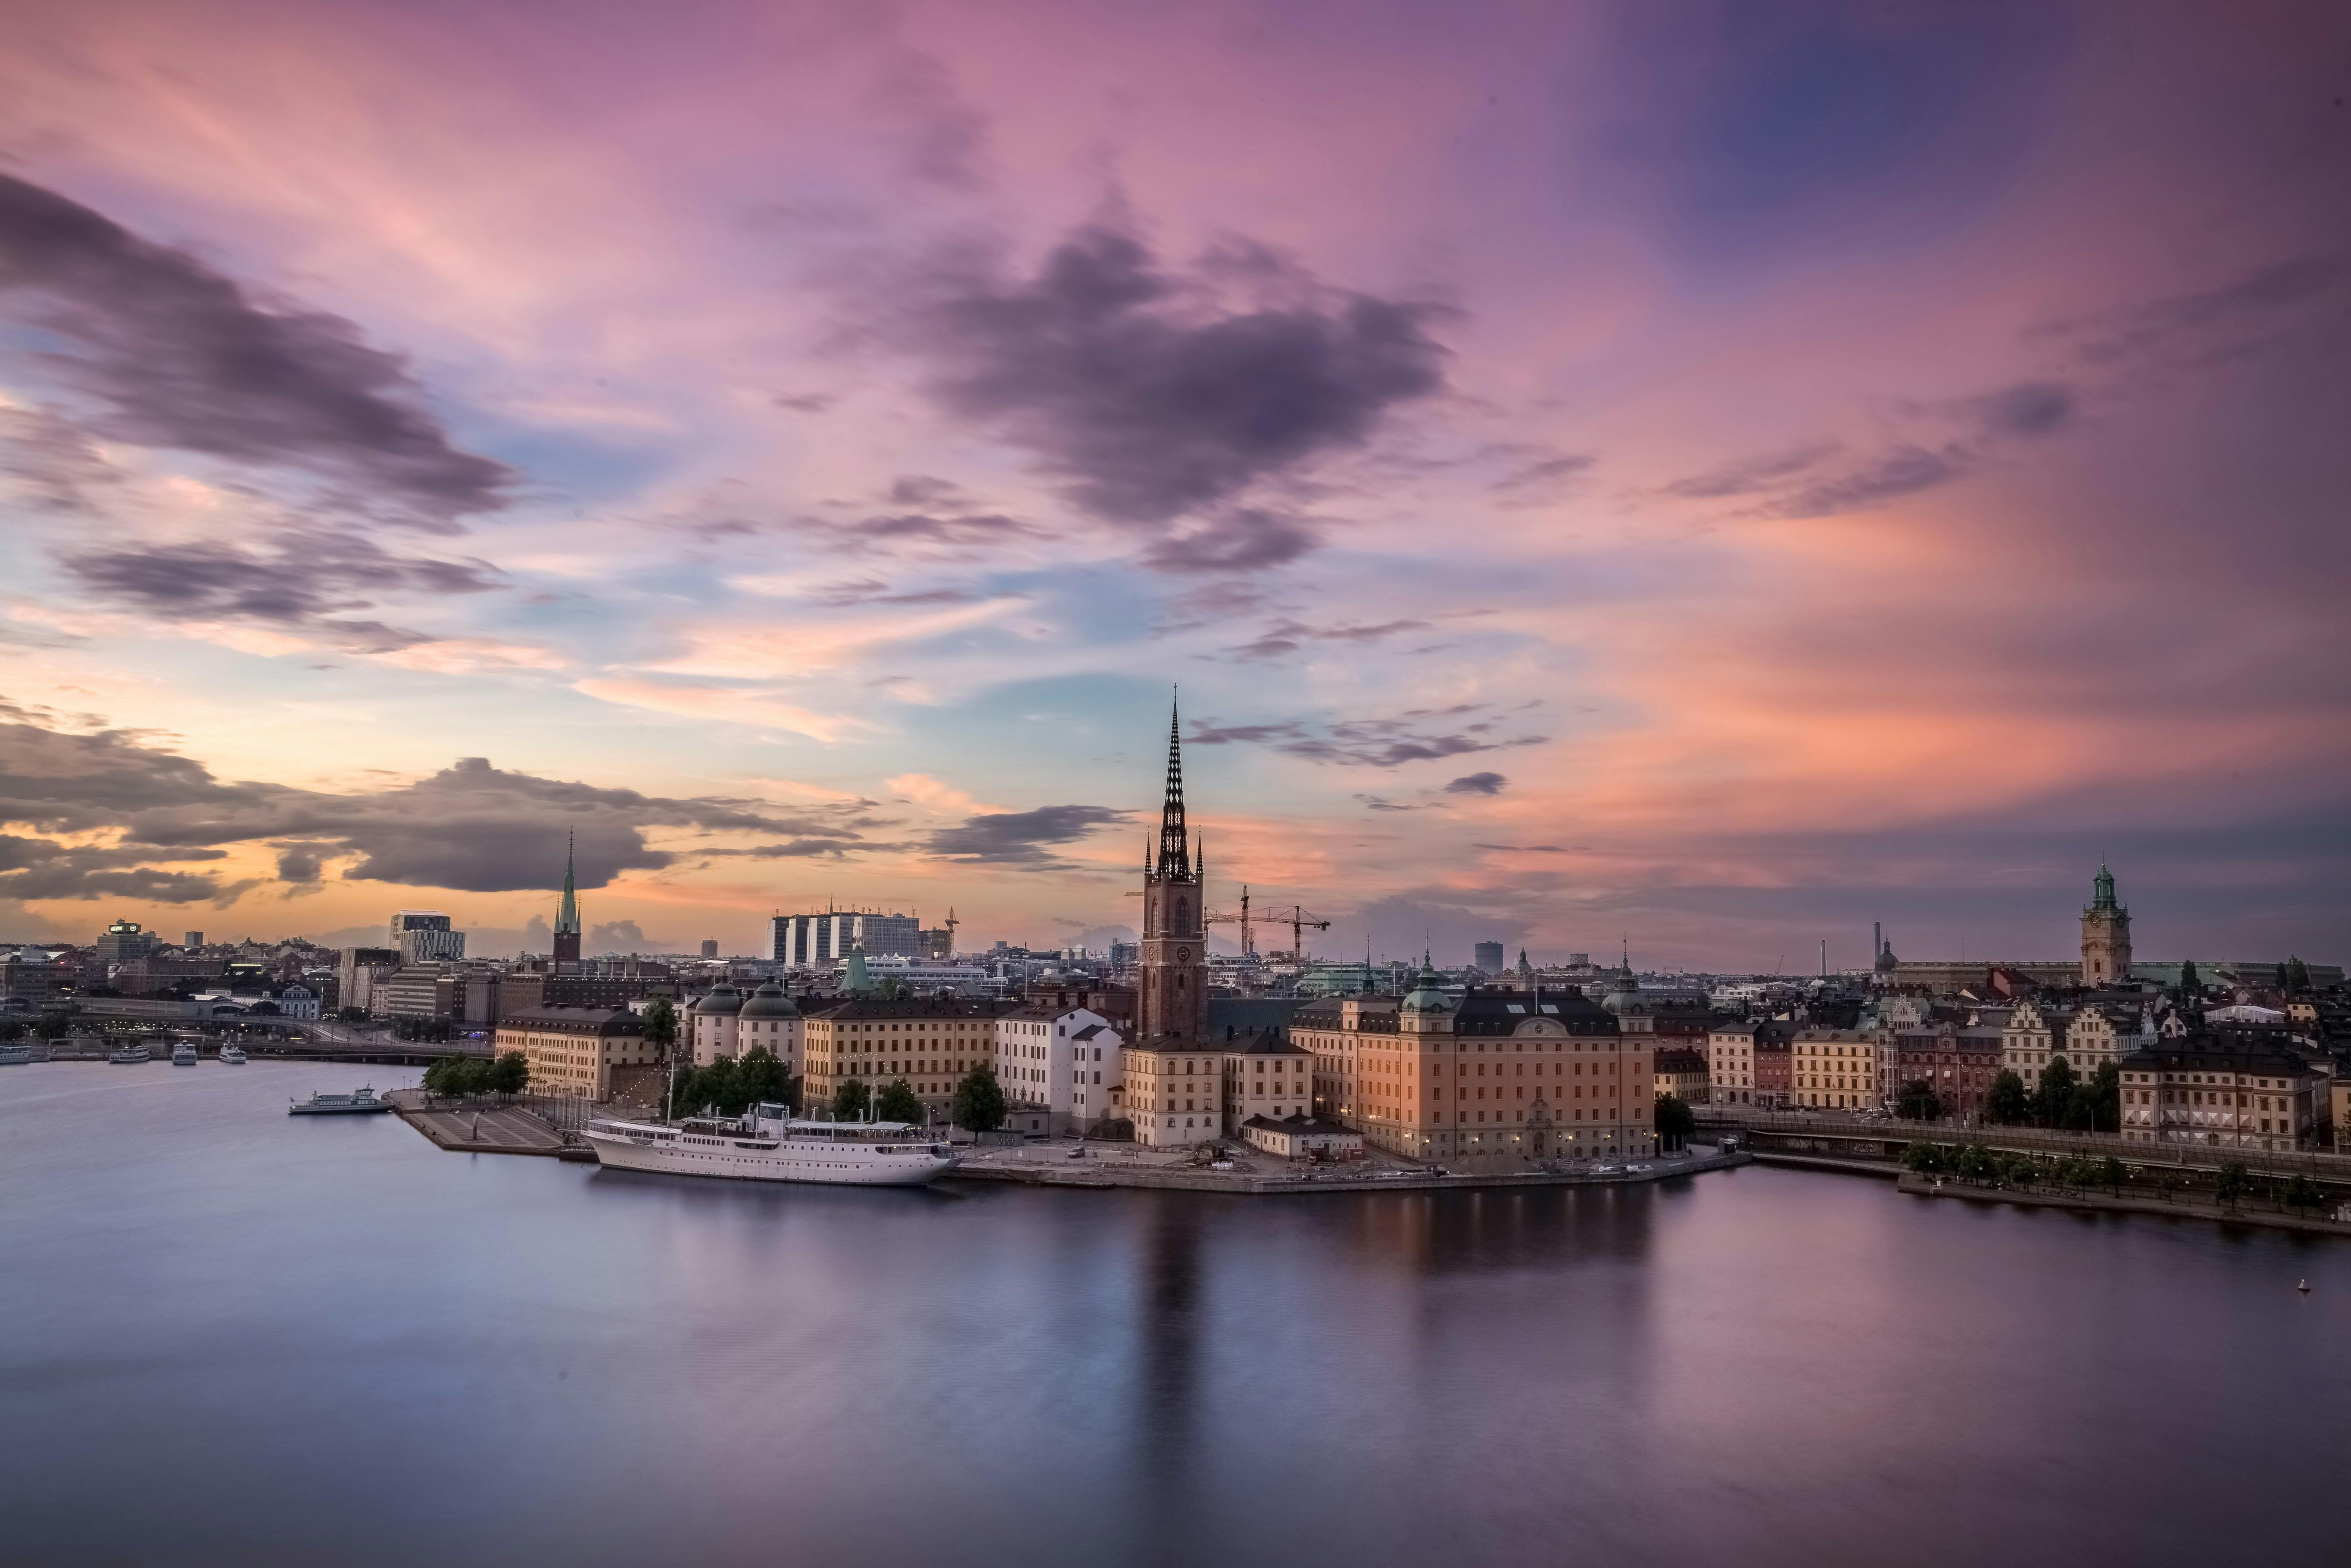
1038	1061
805	941
727	1023
298	1002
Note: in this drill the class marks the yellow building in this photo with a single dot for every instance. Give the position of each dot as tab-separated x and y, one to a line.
1544	1075
2217	1093
930	1044
580	1051
1682	1073
1175	1093
1836	1068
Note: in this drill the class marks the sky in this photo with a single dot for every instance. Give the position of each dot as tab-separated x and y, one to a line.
1697	478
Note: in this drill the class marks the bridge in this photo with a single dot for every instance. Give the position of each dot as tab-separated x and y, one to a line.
1876	1144
284	1039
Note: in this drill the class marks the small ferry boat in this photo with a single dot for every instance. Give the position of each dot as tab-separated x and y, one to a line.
15	1055
231	1056
128	1055
359	1102
768	1145
184	1054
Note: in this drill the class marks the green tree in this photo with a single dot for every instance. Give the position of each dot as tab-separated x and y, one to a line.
1675	1122
661	1027
2233	1183
2303	1193
978	1104
2101	1100
1925	1158
763	1081
510	1074
1916	1102
2111	1173
2009	1103
898	1102
2191	986
1973	1162
2053	1103
850	1099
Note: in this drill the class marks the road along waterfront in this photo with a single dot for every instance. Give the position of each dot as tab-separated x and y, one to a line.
237	1336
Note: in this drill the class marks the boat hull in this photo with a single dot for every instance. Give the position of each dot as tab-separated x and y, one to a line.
728	1159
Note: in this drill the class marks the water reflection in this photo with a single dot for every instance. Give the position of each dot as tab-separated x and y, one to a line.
233	1337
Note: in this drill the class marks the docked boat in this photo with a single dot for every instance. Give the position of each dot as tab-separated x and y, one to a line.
359	1102
769	1145
15	1055
130	1055
231	1056
184	1054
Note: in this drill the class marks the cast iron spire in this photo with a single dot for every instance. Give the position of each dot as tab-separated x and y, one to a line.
566	914
1174	852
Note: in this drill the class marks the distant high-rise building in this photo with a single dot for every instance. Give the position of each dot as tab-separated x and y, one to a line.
803	940
123	941
192	938
567	915
710	946
1489	957
425	936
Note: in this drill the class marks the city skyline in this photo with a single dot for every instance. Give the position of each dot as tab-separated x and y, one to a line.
1726	477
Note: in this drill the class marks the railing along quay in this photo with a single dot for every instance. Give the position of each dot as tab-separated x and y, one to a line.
2316	1163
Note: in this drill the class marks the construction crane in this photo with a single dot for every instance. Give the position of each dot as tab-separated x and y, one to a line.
1300	922
1218	917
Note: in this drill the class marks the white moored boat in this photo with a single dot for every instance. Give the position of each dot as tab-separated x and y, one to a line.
768	1146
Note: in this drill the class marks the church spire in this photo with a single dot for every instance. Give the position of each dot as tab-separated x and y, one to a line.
566	914
1174	851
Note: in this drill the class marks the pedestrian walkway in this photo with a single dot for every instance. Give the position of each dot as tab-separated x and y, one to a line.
486	1129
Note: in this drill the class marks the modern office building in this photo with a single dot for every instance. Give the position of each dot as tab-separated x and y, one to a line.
1489	957
424	936
805	941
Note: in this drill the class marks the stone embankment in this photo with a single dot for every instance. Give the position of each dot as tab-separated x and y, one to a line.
464	1128
2181	1206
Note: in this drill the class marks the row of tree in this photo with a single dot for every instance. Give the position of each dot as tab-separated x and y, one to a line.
2231	1184
2062	1100
462	1075
732	1086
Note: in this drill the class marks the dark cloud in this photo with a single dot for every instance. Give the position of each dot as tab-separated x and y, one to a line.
41	868
1476	784
1151	397
1523	849
53	463
625	937
471	827
1903	471
806	402
2029	408
1543	479
174	354
2257	302
310	580
1369	742
940	137
923	490
869	590
1018	839
1747	475
1289	636
1247	539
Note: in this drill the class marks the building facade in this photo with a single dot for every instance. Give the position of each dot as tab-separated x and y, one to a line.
1267	1078
1681	1071
2205	1091
1042	1062
595	1053
1834	1068
822	941
425	936
930	1044
1167	1063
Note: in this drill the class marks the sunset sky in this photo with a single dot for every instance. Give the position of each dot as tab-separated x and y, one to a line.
1709	477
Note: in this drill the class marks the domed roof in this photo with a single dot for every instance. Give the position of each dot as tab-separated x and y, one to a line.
722	1000
770	1002
1424	995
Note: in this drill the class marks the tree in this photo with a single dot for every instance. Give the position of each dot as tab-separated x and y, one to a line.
762	1081
1925	1158
457	1076
2102	1100
979	1105
2232	1184
850	1100
2009	1103
2111	1173
1675	1120
510	1074
661	1027
898	1102
1916	1102
2053	1103
2191	986
2303	1193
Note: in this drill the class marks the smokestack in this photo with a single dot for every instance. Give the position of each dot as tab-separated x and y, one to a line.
1876	941
1824	957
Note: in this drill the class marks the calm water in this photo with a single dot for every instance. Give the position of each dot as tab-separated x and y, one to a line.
230	1337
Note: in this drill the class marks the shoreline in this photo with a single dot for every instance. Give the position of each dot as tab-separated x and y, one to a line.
2096	1201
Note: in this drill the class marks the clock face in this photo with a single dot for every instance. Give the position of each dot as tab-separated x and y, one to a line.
1183	955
